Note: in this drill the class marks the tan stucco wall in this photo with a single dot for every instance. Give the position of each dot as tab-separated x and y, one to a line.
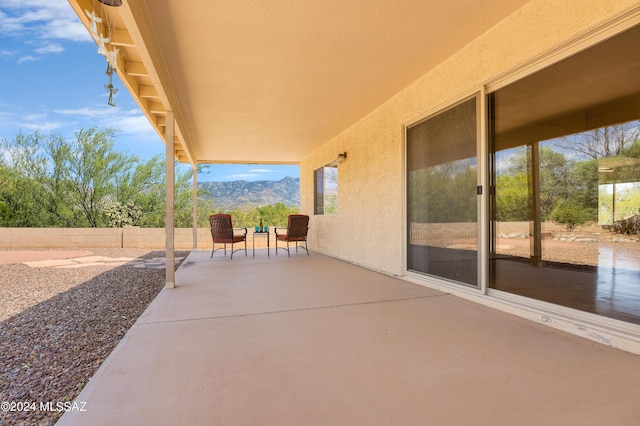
369	228
151	238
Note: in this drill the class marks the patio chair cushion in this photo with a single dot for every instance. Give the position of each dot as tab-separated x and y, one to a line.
235	239
285	237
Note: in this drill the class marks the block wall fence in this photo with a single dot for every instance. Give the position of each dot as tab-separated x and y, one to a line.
130	237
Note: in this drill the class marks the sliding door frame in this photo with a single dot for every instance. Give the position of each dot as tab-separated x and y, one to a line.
482	184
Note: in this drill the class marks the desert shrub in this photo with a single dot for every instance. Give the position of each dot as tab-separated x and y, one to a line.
570	215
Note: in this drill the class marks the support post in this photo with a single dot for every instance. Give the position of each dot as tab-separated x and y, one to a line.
535	232
195	207
170	281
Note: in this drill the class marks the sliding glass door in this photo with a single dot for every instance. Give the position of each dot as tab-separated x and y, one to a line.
565	157
442	194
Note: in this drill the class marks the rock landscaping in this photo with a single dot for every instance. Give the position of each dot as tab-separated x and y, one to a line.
58	324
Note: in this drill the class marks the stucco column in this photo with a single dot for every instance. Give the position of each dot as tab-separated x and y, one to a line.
170	281
195	207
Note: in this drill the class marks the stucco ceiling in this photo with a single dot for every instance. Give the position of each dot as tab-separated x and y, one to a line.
271	81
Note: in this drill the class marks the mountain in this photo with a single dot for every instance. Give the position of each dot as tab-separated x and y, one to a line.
240	193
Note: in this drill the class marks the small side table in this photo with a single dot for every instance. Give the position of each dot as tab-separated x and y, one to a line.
260	234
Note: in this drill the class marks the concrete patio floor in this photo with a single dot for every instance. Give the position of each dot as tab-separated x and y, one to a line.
310	340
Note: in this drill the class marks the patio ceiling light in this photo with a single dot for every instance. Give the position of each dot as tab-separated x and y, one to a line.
342	157
111	2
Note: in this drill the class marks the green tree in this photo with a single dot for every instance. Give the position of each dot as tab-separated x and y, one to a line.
58	182
561	179
512	197
555	170
89	169
583	181
633	150
629	203
23	196
569	214
183	204
272	215
120	215
53	182
444	193
7	190
275	214
150	194
603	142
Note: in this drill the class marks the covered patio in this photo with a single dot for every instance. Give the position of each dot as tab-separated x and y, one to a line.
315	340
355	94
326	338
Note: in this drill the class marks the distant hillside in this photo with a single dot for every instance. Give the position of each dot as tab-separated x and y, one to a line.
240	193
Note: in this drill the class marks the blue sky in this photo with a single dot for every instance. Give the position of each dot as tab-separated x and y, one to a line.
52	80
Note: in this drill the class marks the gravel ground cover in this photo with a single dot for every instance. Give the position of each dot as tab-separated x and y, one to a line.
58	325
586	249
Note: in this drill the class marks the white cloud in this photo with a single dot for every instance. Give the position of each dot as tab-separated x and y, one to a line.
129	121
42	126
44	19
66	30
12	122
83	112
243	175
34	117
50	48
27	59
261	171
134	122
8	25
33	121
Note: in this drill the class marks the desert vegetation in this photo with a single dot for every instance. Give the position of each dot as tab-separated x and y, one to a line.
49	181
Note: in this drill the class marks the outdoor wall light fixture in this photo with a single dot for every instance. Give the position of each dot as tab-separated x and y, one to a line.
111	2
338	160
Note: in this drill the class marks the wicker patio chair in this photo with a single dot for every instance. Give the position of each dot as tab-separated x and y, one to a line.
223	232
296	231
